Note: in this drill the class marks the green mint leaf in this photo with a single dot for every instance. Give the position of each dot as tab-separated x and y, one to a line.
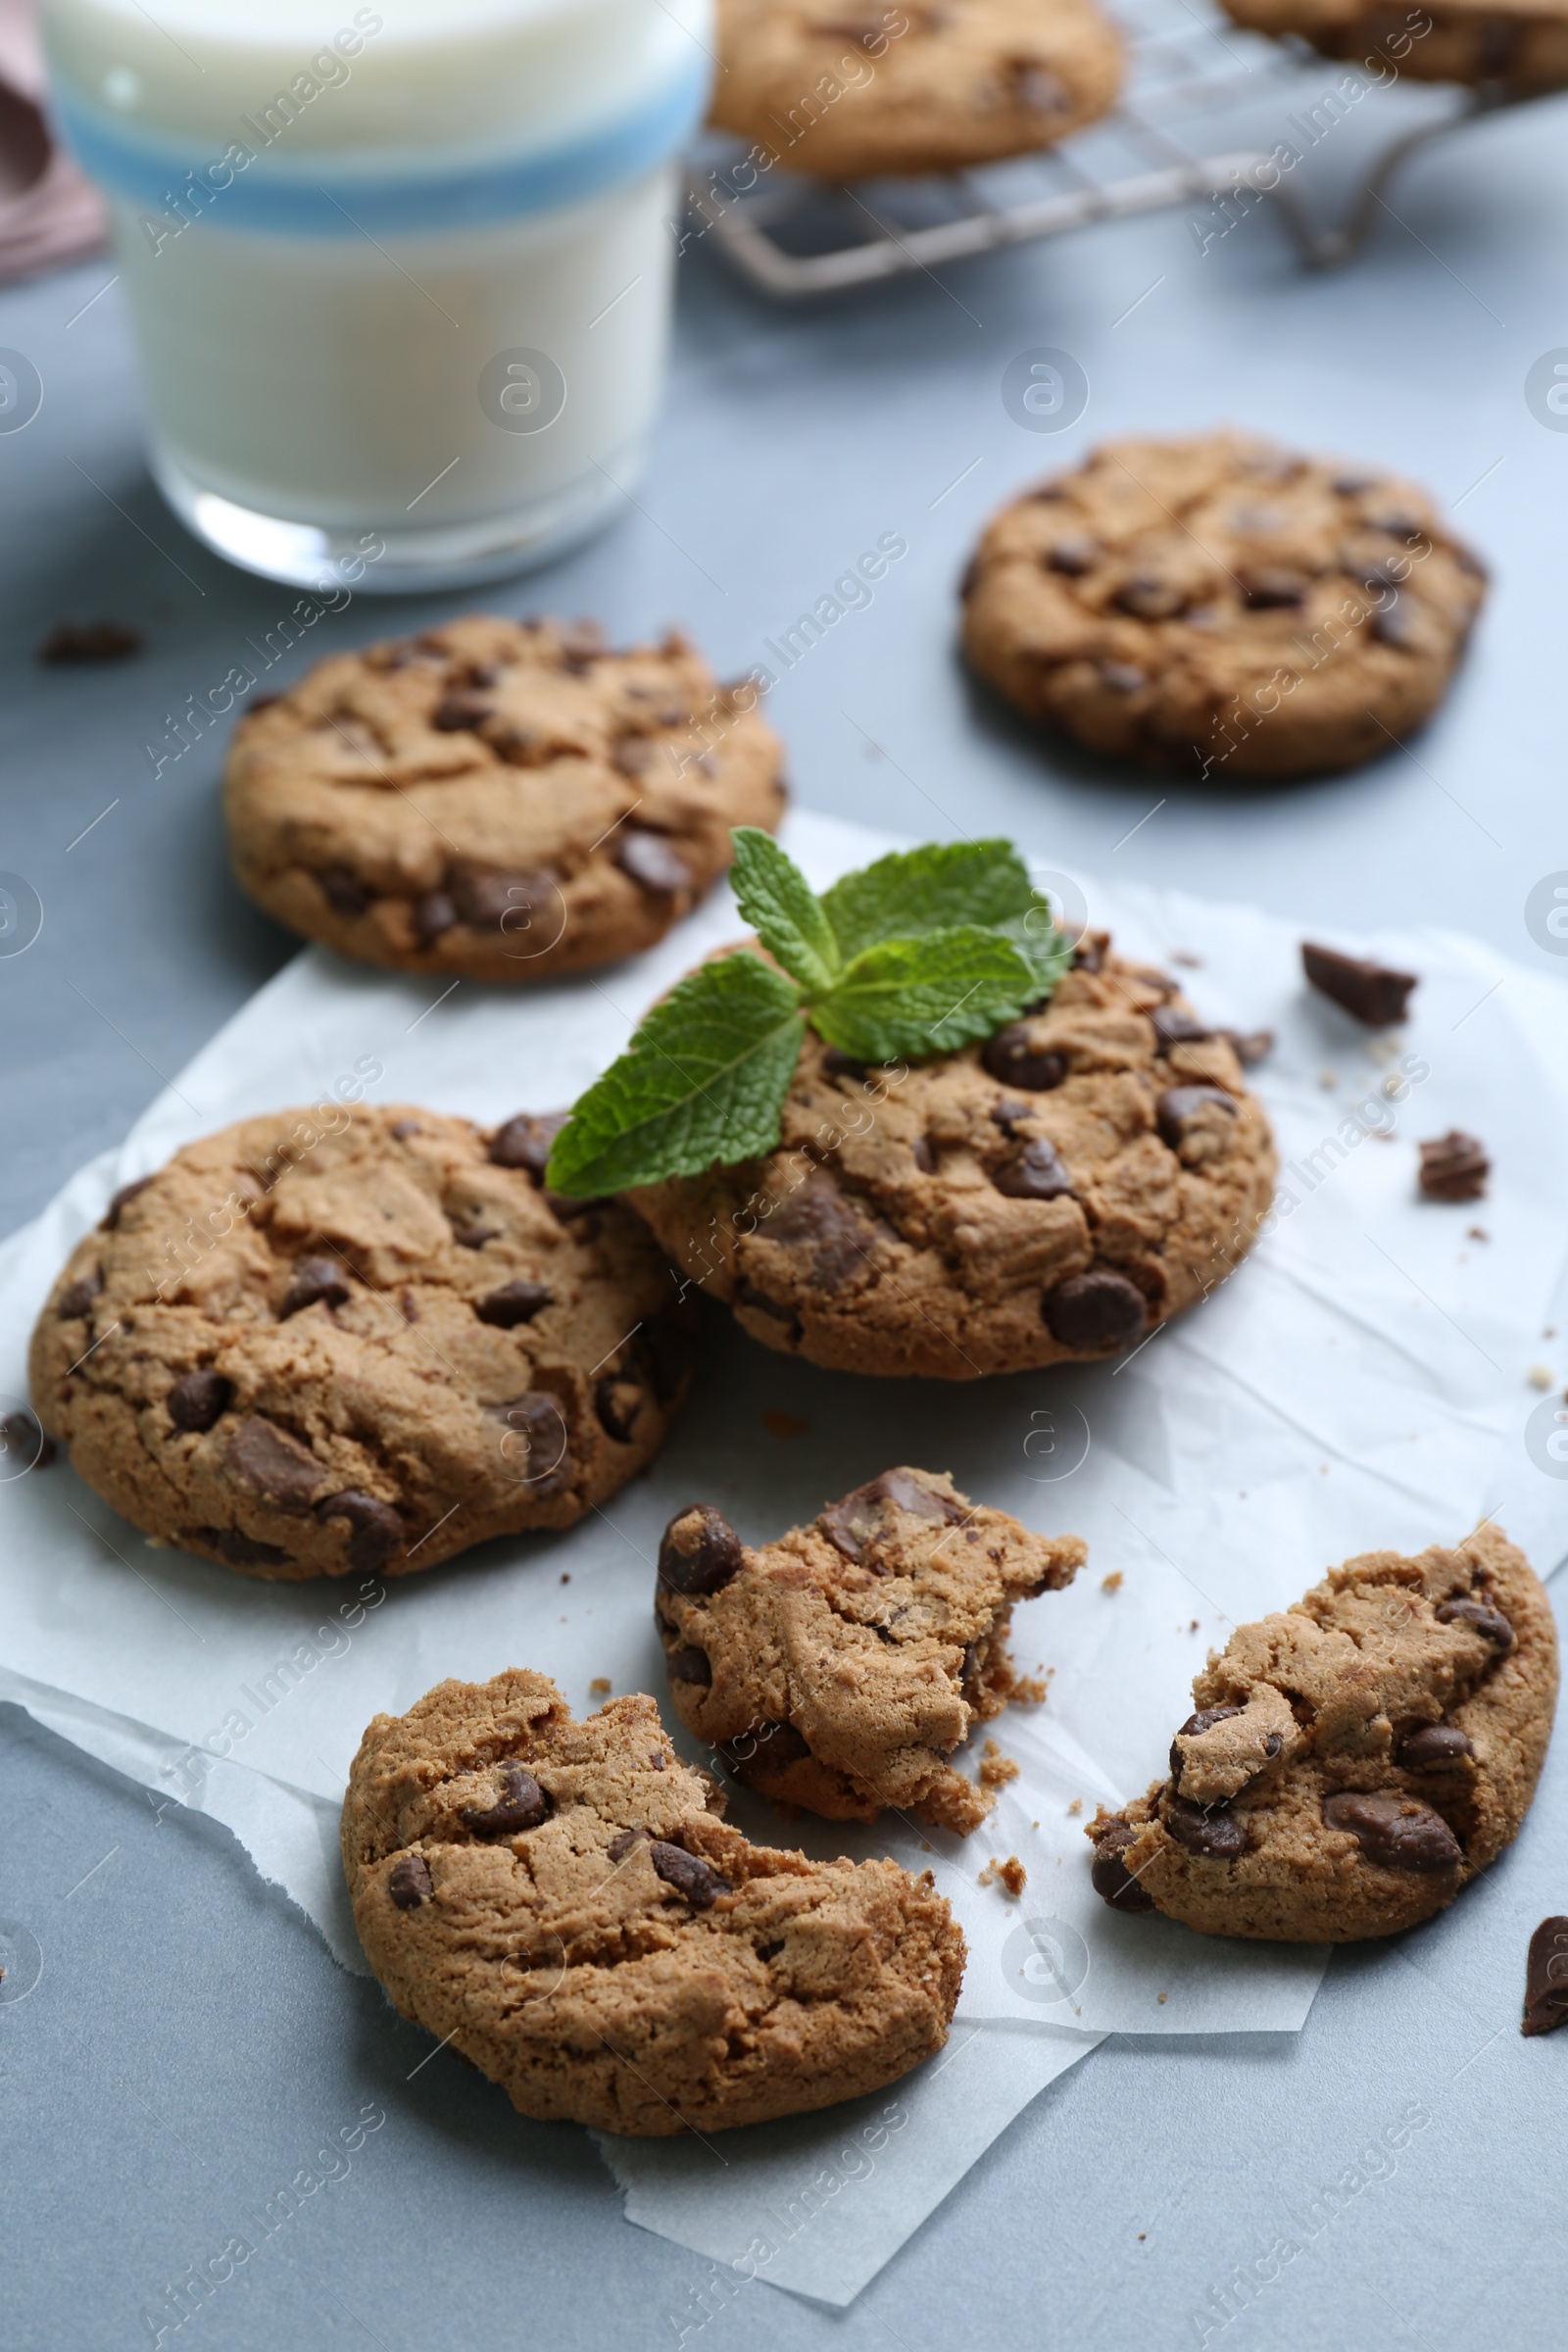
1048	951
783	909
944	886
904	999
703	1079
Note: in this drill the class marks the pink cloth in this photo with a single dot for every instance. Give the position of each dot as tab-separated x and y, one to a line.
49	214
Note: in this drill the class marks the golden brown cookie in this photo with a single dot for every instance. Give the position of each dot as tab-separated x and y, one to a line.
1354	1760
1047	1197
848	90
840	1667
337	1342
1520	47
506	799
1221	604
560	1900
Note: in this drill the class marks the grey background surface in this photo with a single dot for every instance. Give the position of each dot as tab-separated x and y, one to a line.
189	2045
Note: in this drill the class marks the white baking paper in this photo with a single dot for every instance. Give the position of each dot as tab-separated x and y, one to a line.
1363	1379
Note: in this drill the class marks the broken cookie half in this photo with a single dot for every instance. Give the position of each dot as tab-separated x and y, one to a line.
1354	1760
841	1666
561	1901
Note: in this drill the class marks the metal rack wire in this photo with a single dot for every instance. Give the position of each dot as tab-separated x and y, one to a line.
1188	68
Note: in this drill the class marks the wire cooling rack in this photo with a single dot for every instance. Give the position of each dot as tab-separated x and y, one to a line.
1189	70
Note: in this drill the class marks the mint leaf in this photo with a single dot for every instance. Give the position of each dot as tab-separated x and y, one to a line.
942	887
1048	951
908	998
783	908
703	1079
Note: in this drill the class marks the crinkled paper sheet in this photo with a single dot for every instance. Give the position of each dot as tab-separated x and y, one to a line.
1364	1381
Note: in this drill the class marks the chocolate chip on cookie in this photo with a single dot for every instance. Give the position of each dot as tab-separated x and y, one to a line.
389	1347
562	1902
1052	1193
1356	1760
1218	604
463	806
840	1667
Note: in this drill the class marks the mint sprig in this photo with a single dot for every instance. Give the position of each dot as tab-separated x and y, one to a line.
921	954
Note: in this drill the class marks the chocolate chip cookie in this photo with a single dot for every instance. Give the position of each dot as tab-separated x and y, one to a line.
840	1667
1047	1197
1222	605
1354	1760
332	1343
505	800
851	88
560	1900
1522	48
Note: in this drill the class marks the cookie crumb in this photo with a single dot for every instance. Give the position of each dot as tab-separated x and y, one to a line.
159	1542
601	1686
1184	956
1111	1582
1011	1873
1076	1806
70	642
785	1425
1328	1079
1542	1376
1477	1233
565	1576
1029	1691
1193	1628
1164	1996
996	1769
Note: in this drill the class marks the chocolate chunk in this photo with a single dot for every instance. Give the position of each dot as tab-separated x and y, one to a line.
1122	677
858	1520
690	1665
1040	92
1073	554
747	1294
1012	1057
1370	992
1178	1103
1148	598
582	643
407	1882
521	1805
514	1303
537	1418
1173	1027
199	1399
1396	624
108	1222
490	901
668	1345
701	1551
23	1441
1089	955
1036	1174
240	1550
377	1529
652	862
698	1881
620	1846
457	711
1108	1873
1455	1167
1433	1747
1393	1832
473	1236
1249	1046
279	1469
317	1281
765	1749
1546	1978
818	1218
77	1296
1200	1722
1271	588
69	643
923	1153
347	890
1352	485
839	1065
1481	1617
1096	1310
1211	1830
617	1402
402	1129
525	1141
434	915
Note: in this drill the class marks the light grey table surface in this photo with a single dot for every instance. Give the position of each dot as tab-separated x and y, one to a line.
190	2043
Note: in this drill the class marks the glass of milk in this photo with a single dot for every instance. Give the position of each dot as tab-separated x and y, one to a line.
398	275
